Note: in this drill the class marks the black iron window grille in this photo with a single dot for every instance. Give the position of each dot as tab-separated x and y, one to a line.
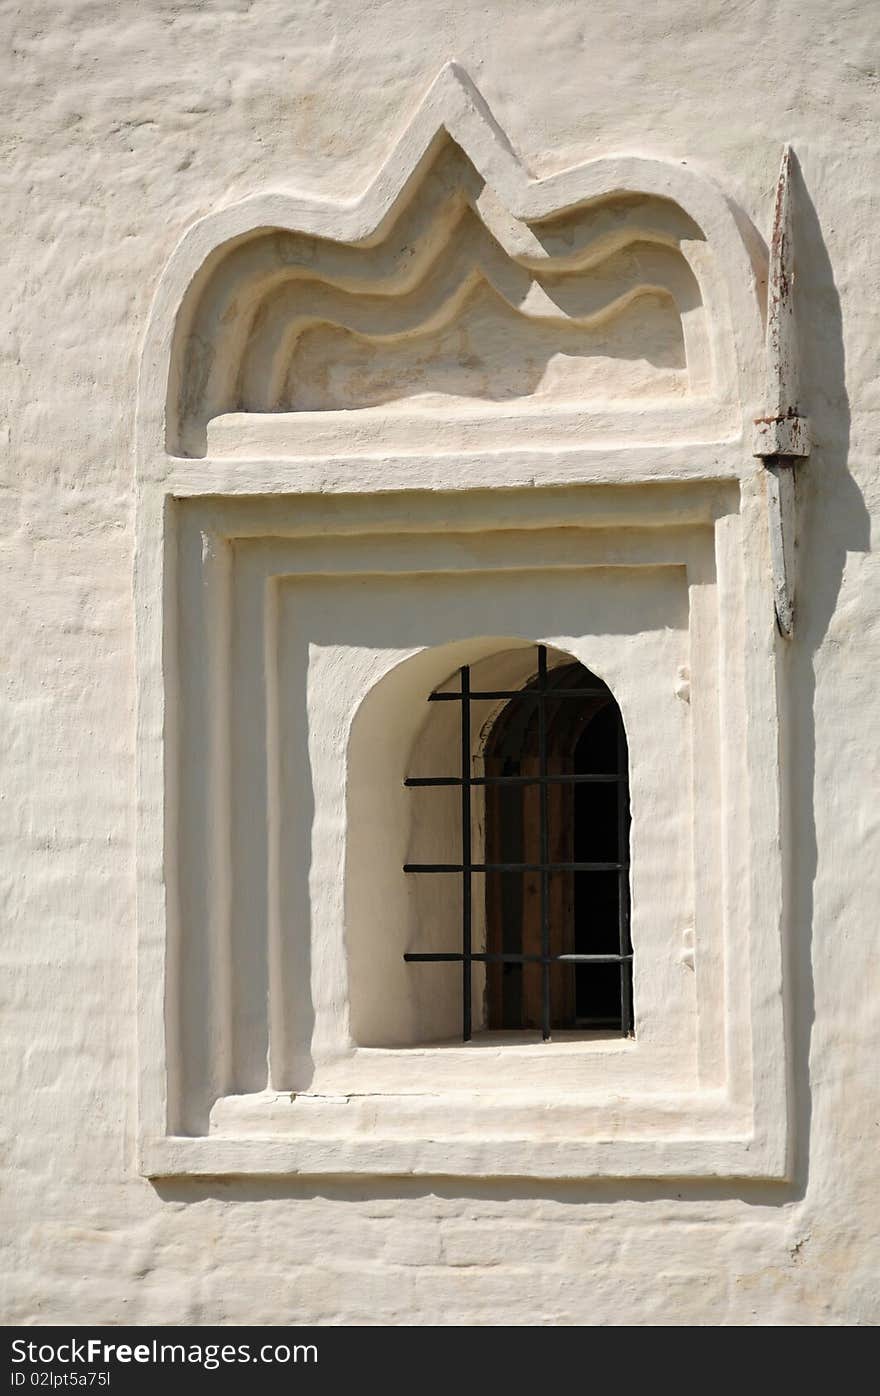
538	696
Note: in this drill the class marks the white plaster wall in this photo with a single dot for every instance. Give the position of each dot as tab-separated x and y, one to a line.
121	124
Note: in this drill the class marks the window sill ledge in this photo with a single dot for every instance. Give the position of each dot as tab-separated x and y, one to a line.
699	1134
375	1154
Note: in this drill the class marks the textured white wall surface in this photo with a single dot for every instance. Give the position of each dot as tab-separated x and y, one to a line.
122	124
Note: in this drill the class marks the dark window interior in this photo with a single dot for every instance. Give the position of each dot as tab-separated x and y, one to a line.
587	822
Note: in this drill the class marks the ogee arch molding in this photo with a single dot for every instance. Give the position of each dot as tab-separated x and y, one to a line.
640	267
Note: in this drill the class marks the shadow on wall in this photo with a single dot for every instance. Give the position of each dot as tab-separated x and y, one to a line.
832	521
607	1191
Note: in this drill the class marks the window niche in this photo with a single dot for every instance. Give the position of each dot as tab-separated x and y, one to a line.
505	916
541	812
398	735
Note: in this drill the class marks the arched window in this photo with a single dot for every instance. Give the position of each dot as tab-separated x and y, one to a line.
555	860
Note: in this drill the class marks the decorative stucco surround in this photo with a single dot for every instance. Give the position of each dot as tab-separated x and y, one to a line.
253	517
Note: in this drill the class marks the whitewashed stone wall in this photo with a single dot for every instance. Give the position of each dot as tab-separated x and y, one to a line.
122	125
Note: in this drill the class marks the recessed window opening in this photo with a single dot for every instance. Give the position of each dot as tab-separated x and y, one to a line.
555	869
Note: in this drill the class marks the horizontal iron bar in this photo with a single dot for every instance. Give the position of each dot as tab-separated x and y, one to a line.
516	780
493	958
513	867
535	693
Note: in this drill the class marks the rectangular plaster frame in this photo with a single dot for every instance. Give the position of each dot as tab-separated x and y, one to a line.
518	489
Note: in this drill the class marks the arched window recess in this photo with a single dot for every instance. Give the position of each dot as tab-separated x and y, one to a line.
556	858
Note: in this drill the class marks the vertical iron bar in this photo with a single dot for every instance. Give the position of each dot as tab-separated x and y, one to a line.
626	1007
466	853
545	842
